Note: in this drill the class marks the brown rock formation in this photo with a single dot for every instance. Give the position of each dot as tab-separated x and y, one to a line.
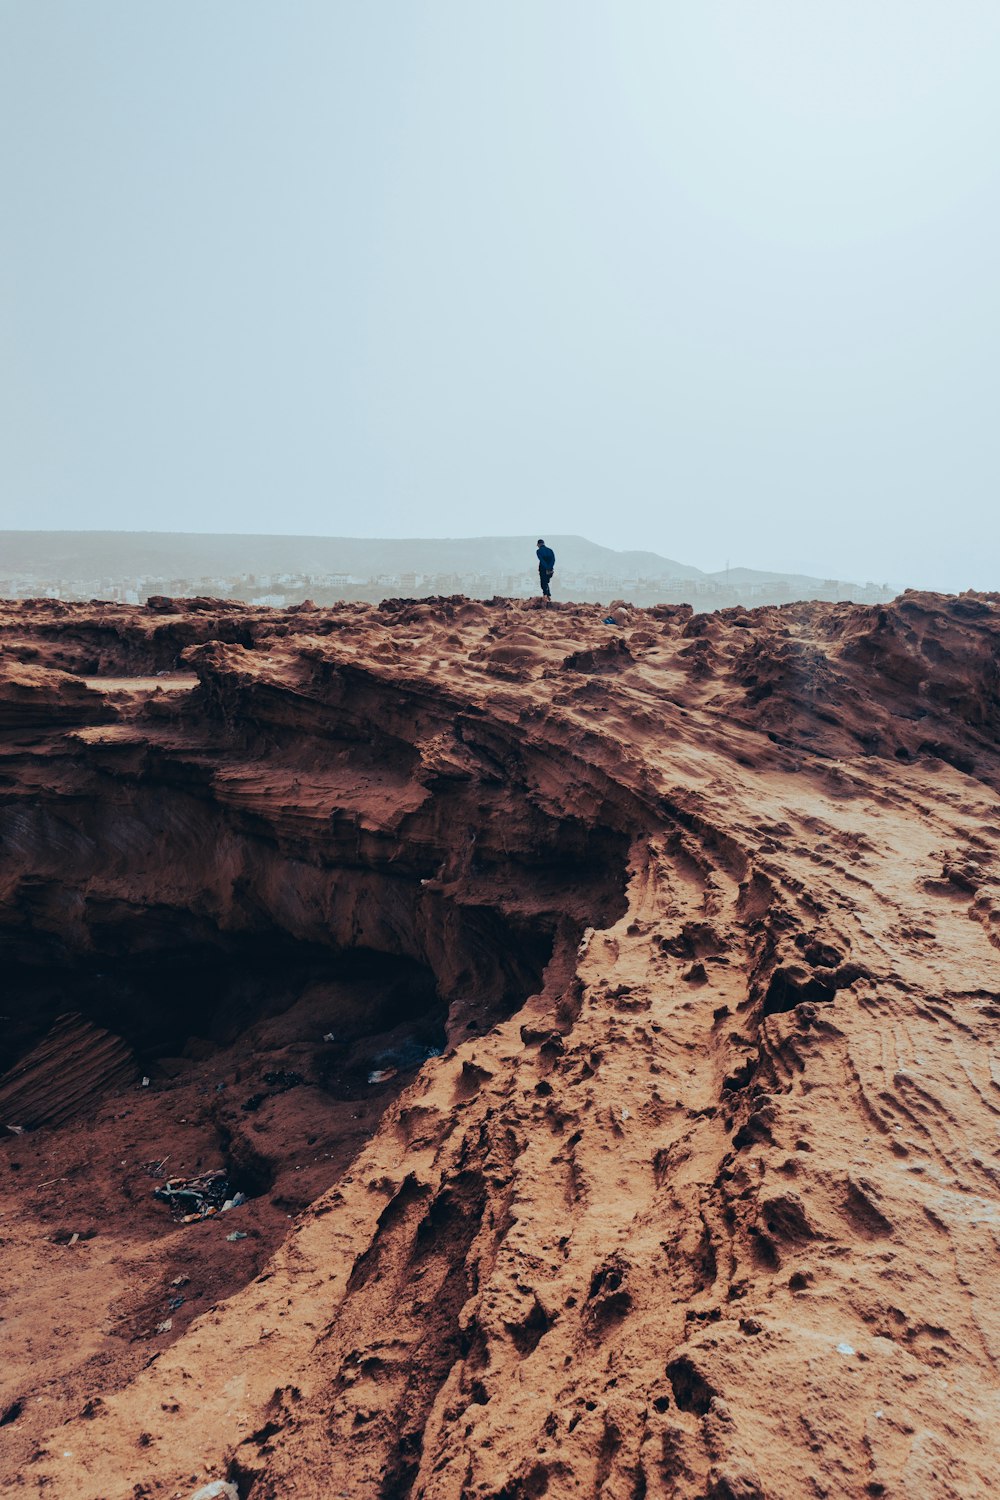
602	1019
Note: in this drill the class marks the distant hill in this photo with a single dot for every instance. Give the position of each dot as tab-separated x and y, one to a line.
735	577
128	566
72	554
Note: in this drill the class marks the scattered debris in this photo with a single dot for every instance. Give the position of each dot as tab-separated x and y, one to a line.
70	1070
201	1197
145	1081
330	1036
237	1234
219	1489
165	1326
69	1237
401	1059
382	1075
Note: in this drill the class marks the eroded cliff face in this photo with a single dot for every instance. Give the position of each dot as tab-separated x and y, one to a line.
601	1019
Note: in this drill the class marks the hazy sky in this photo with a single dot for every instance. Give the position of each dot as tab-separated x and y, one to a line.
716	279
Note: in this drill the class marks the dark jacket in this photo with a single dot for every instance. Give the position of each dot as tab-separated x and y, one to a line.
546	559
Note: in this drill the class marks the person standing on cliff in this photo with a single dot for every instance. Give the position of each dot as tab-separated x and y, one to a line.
546	566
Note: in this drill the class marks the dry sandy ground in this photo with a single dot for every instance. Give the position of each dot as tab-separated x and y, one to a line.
676	938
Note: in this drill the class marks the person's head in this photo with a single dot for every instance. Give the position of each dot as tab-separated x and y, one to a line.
540	542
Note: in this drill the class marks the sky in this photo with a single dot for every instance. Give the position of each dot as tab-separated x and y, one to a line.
715	279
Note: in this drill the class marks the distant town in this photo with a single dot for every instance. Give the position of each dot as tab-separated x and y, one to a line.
278	590
62	570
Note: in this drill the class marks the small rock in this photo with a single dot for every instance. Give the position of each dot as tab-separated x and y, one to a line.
237	1234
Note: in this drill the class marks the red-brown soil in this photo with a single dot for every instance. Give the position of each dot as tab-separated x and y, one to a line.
602	1019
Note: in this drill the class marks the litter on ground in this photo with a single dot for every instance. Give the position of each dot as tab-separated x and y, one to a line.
381	1075
193	1198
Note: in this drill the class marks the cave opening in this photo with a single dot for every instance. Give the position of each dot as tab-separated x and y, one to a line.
185	1003
271	1010
172	960
256	1058
232	936
142	1047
